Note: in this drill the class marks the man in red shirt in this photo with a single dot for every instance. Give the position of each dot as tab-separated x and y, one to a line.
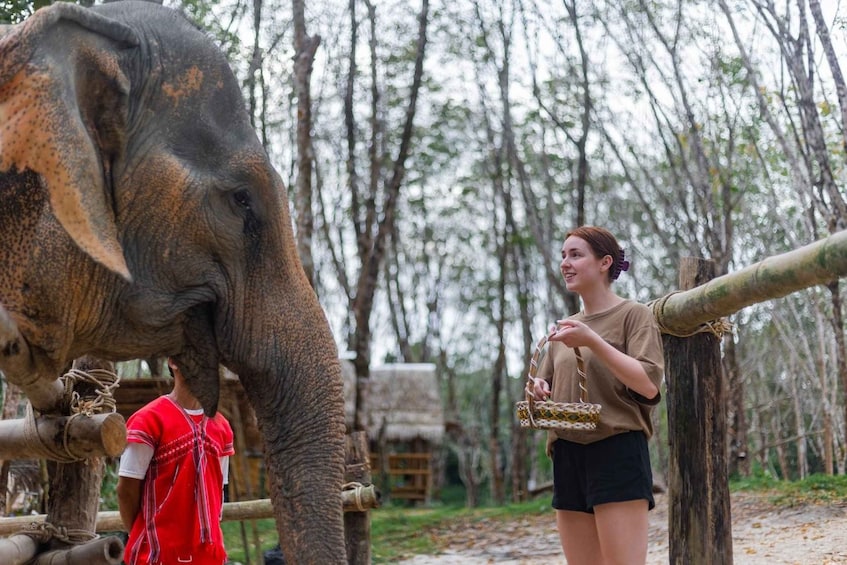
170	482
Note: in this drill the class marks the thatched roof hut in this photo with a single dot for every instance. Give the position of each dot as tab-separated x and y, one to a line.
405	423
404	399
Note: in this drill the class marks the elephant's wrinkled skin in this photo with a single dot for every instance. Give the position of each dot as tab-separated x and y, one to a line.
139	216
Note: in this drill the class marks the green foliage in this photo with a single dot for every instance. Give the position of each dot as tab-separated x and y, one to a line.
760	480
108	488
239	534
16	11
815	489
398	533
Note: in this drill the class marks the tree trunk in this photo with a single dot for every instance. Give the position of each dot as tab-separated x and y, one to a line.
522	442
498	487
372	248
255	63
739	462
799	428
837	321
305	47
581	143
834	66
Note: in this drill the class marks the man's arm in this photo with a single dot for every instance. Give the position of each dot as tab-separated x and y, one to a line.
129	500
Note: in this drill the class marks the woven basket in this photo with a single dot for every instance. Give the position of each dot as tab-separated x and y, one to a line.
548	415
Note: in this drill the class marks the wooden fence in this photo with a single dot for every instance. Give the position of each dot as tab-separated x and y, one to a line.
699	520
409	475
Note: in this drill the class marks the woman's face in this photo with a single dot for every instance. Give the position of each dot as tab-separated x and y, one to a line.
580	268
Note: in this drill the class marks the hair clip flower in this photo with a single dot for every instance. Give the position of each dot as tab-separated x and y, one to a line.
620	265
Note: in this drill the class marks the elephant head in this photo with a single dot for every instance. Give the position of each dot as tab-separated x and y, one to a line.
141	216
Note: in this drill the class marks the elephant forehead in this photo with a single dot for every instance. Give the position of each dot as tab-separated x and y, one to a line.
184	85
165	176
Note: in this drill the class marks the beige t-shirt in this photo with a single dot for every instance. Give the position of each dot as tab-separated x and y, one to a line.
631	328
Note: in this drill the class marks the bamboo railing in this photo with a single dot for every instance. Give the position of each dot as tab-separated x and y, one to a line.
821	262
358	499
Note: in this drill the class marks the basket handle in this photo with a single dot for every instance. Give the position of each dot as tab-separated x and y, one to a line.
533	370
583	380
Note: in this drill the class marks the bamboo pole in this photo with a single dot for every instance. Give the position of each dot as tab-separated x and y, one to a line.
85	436
100	551
817	263
17	550
367	497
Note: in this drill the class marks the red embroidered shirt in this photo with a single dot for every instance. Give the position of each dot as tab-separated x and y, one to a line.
182	494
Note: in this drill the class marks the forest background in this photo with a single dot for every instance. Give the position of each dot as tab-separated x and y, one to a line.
437	152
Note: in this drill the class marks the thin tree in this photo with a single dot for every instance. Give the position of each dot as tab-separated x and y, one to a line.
305	47
374	224
825	197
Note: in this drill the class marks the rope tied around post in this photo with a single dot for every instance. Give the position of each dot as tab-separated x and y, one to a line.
42	449
105	383
358	497
718	328
102	402
43	532
356	488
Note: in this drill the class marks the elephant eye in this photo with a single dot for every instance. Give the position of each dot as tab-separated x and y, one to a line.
242	198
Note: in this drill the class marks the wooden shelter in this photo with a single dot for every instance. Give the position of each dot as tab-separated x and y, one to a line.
405	423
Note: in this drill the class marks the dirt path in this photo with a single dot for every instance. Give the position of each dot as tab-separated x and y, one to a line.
761	535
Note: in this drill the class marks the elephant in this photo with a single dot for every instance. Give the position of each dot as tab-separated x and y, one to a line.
141	216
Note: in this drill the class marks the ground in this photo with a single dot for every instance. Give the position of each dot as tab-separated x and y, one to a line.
762	534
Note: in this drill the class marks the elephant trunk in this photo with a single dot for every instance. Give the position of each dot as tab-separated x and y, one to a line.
300	412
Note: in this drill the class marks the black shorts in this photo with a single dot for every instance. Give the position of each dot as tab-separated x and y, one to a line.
615	469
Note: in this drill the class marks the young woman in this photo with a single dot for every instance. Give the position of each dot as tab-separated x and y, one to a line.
602	485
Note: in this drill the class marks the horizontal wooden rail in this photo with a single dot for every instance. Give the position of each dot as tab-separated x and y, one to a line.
110	521
410	457
820	262
61	437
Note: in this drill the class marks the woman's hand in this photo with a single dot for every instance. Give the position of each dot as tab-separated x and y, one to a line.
573	333
626	369
539	389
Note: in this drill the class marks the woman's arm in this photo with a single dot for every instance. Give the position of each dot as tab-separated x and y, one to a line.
628	370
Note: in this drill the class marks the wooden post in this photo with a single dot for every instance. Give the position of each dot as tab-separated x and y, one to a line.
75	490
699	522
357	525
241	485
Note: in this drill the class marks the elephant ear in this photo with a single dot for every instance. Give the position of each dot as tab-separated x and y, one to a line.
63	114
